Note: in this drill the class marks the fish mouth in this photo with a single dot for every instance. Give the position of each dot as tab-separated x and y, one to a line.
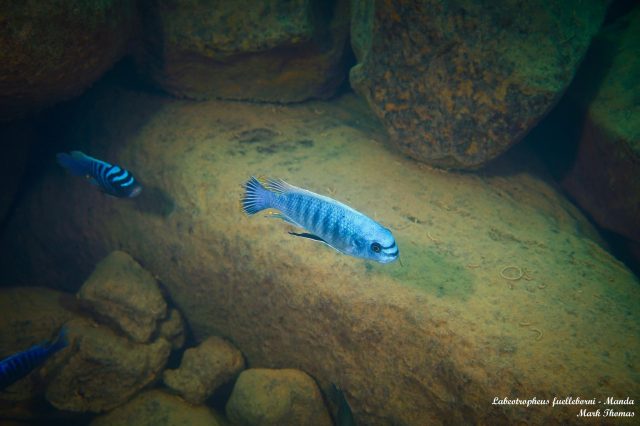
389	253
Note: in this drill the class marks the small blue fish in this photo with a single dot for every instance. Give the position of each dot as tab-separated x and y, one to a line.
21	364
329	221
112	179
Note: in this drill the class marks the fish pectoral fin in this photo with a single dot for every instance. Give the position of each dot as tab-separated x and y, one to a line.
309	236
316	238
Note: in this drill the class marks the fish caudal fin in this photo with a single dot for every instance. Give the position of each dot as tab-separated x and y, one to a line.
256	197
77	163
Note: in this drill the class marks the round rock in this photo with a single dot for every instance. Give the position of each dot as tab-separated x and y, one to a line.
456	84
204	368
276	397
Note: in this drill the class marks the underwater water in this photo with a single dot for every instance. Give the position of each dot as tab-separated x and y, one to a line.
506	304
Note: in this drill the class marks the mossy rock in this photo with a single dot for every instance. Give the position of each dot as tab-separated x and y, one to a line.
52	51
456	83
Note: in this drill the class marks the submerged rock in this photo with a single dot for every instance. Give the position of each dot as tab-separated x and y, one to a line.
52	51
204	368
276	51
276	398
456	84
172	329
157	408
105	369
409	345
605	176
121	291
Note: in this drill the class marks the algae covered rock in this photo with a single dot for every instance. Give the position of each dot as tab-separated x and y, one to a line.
457	83
204	368
53	50
105	369
157	408
120	290
277	51
434	339
605	176
276	397
172	329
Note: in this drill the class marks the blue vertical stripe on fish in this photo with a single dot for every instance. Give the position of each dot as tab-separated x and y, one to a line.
327	220
19	365
112	179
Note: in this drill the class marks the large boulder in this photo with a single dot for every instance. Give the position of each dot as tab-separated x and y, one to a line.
52	51
204	368
276	51
264	397
503	281
604	179
105	370
157	408
457	83
125	294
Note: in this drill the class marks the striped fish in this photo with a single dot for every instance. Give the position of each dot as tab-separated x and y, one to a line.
21	364
112	179
327	220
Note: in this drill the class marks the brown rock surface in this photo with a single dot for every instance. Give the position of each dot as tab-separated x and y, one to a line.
125	294
457	83
431	342
105	370
605	177
172	329
264	397
204	368
275	51
157	408
52	51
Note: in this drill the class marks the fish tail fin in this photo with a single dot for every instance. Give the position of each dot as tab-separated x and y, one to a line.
77	163
256	197
61	341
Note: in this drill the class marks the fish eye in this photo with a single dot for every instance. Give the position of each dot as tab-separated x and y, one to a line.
376	247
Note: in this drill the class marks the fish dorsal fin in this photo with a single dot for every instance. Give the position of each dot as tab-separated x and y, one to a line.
309	236
277	186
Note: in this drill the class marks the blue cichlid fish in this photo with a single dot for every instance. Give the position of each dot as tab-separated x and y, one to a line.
21	364
112	179
329	221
